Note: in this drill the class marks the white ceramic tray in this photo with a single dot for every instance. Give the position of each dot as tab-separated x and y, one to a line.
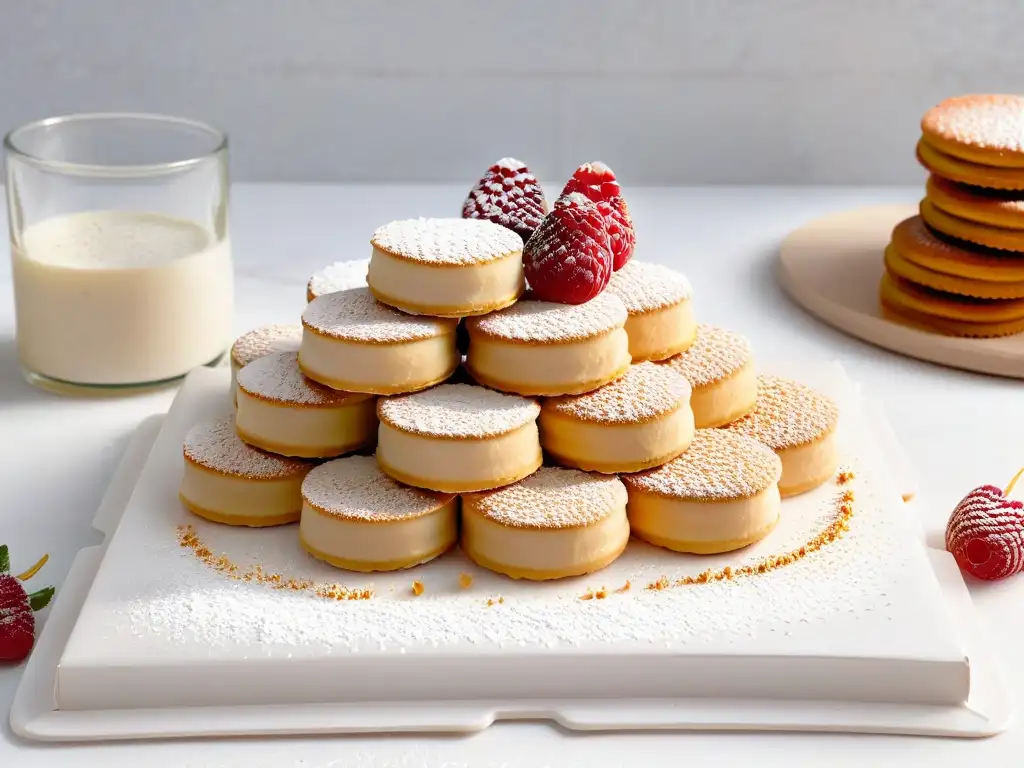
101	641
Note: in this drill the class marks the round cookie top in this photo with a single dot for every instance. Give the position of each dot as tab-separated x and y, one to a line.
446	242
355	315
715	355
545	322
339	276
913	239
457	412
277	378
265	341
787	414
214	445
645	392
718	466
985	121
354	488
645	287
552	498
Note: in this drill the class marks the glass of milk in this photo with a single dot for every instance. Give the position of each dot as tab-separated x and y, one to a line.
121	258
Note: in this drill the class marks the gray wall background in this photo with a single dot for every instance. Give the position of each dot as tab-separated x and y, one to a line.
665	91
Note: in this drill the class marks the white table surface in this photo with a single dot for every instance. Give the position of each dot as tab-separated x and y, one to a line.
959	430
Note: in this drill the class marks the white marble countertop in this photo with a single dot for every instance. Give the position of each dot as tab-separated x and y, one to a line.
959	430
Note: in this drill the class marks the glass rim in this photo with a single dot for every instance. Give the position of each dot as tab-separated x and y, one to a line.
220	144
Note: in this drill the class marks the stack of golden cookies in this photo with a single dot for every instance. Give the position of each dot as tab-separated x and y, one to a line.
957	268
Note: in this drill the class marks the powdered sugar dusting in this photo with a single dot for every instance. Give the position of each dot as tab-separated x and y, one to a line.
546	322
447	241
715	355
646	391
645	287
457	411
356	489
989	121
339	276
355	315
718	466
216	446
787	414
277	377
552	497
265	341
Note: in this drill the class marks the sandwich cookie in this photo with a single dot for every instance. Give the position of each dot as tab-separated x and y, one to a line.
799	424
553	524
721	495
260	342
899	266
916	243
947	313
987	129
994	207
965	172
227	481
339	276
281	411
658	300
544	348
720	368
352	342
964	229
357	518
640	420
446	267
457	437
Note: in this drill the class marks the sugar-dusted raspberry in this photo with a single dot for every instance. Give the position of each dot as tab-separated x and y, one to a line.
509	195
598	183
569	259
985	534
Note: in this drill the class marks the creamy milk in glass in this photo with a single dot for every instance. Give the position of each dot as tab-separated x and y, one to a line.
120	297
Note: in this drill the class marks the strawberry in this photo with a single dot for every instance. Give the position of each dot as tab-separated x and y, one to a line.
985	533
569	259
17	617
509	195
597	182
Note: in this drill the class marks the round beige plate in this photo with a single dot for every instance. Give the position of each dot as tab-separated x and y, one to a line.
831	267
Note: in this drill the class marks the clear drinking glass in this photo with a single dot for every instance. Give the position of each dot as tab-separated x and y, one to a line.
120	251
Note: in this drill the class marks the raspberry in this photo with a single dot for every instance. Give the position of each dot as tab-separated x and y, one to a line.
597	182
568	259
985	534
17	610
509	195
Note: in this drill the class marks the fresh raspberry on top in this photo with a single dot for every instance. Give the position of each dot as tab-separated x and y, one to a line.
509	195
569	259
597	182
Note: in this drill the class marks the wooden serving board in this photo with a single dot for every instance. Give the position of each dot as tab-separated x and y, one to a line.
832	266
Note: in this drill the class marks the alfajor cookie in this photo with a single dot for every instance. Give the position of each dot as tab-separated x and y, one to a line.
966	172
339	276
281	411
357	518
658	300
553	524
915	242
227	481
994	207
544	348
799	424
446	267
260	342
720	368
352	342
902	267
987	129
458	437
640	420
721	495
948	314
963	229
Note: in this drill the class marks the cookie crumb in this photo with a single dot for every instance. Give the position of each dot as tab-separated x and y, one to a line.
844	477
588	595
601	594
465	581
625	587
417	588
